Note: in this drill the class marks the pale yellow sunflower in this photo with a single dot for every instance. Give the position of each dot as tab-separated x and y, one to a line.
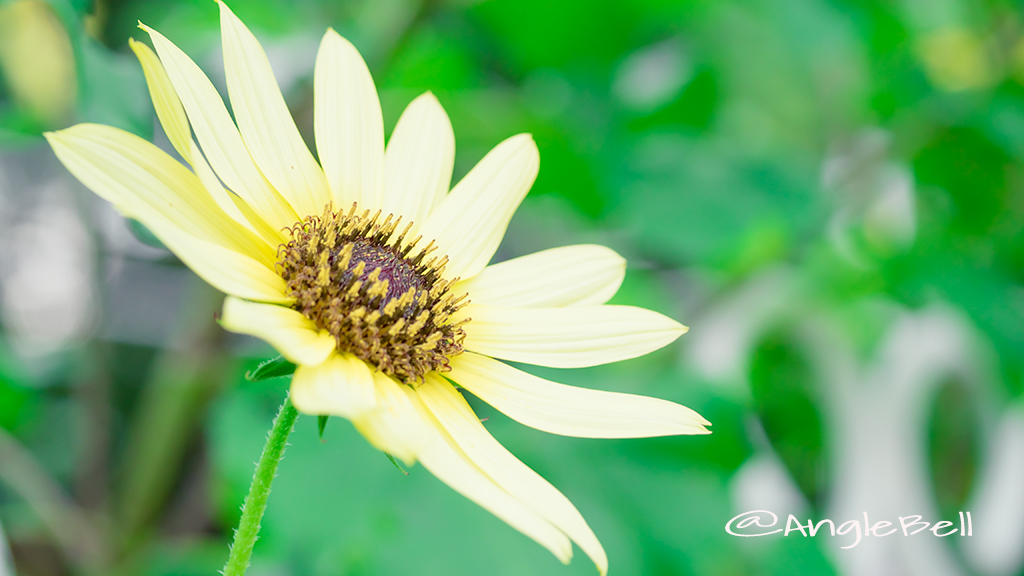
371	276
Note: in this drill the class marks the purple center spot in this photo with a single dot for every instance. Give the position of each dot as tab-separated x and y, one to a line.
400	275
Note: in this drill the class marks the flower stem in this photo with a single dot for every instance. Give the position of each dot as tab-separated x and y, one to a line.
256	502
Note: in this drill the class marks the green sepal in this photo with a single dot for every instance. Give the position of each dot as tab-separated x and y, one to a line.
273	368
321	423
395	462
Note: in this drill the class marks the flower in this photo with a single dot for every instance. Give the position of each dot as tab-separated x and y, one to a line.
366	272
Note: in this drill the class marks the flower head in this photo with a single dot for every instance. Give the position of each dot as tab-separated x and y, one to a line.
369	274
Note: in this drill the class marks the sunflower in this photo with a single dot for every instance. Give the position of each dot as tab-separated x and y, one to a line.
371	276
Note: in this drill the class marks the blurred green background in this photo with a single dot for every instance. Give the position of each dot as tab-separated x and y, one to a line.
830	193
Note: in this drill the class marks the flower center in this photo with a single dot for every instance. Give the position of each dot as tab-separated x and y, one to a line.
354	277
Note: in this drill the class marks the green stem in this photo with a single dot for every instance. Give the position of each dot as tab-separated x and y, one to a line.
256	502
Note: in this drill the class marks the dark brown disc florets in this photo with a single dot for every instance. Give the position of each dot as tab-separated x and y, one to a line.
383	301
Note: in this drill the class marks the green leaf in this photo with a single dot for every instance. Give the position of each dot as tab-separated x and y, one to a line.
272	368
395	462
321	423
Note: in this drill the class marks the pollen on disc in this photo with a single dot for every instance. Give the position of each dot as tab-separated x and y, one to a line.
357	277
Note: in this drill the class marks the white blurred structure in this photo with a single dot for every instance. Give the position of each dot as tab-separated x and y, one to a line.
876	410
875	206
47	283
998	504
6	564
653	76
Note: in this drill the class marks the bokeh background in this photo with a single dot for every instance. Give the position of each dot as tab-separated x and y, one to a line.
830	193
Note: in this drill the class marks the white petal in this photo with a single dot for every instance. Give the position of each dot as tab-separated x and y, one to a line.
265	122
405	428
218	135
583	275
340	386
470	222
568	410
571	337
418	161
516	478
288	331
348	124
146	183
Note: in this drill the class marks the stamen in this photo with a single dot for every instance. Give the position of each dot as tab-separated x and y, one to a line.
352	276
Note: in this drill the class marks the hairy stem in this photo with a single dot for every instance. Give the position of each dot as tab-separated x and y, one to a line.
256	502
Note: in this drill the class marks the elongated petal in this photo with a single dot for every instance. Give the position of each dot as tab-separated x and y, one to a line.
419	159
231	204
348	124
218	136
340	386
470	222
145	182
226	270
405	428
166	103
568	410
175	124
265	122
584	275
454	414
288	331
571	337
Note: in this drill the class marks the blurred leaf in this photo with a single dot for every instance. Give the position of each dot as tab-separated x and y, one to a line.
673	200
783	385
321	424
113	90
954	446
16	403
143	234
972	169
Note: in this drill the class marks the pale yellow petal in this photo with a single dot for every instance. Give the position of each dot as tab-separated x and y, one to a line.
340	386
395	427
168	108
583	275
571	337
218	136
145	182
231	204
405	428
348	124
175	124
470	222
226	270
265	122
441	455
568	410
287	330
455	415
418	161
